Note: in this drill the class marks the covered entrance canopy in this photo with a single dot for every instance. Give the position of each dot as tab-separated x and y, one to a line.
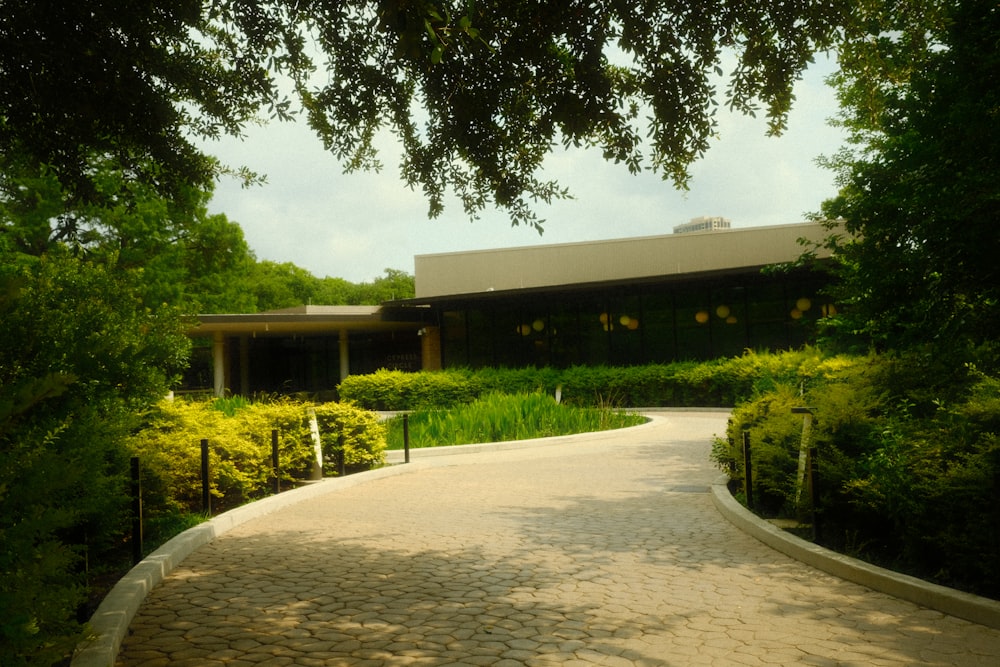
309	348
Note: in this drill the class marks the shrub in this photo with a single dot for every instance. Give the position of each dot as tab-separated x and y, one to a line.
359	432
720	383
79	356
908	475
239	439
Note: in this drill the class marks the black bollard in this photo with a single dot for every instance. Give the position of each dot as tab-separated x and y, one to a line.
206	500
136	492
747	469
276	484
814	492
341	456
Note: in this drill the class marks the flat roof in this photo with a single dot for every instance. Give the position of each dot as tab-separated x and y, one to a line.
610	261
304	320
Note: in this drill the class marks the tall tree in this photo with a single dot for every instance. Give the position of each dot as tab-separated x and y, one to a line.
179	254
920	197
477	91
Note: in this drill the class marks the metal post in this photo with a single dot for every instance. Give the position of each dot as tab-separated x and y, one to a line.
406	438
807	420
276	484
136	492
341	456
747	469
206	500
814	492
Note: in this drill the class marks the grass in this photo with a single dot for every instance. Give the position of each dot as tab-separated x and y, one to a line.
502	417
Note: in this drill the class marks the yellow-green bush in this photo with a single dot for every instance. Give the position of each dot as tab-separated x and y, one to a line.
169	448
717	383
362	434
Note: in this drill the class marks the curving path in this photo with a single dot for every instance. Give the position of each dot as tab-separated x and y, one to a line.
602	549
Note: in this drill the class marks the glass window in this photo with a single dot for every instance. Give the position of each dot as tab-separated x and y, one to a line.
480	337
659	341
596	324
694	324
625	328
729	321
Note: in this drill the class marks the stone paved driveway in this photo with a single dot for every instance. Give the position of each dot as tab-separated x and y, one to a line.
601	550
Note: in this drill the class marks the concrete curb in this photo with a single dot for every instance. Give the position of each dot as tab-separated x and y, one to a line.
941	598
109	624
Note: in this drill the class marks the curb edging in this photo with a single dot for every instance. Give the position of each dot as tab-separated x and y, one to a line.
934	596
109	624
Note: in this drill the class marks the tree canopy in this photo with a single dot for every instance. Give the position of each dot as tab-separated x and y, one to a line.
477	91
919	198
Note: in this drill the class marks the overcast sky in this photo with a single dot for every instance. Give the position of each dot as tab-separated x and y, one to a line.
355	226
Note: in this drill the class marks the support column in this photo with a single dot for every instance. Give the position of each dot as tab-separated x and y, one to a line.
345	355
430	348
219	364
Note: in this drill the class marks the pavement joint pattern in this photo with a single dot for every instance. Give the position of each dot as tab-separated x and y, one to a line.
604	550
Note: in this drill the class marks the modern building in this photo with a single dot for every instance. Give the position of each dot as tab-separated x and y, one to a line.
615	302
702	224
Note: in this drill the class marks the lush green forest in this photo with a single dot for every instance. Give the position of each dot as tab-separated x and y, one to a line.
106	244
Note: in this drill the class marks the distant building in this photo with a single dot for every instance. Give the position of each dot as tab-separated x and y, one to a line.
702	224
615	302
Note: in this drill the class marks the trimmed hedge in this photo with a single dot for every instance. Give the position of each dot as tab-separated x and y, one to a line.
721	383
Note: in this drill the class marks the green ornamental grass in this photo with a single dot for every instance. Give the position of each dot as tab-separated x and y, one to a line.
501	417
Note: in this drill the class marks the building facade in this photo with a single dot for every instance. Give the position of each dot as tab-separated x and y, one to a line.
703	224
619	302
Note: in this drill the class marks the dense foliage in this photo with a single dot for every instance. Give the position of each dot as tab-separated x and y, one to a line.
719	383
919	198
80	357
477	92
502	417
239	436
909	469
177	252
272	286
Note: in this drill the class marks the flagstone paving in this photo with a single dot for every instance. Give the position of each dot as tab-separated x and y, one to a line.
599	550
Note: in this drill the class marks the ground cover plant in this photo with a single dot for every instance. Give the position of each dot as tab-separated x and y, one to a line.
501	417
